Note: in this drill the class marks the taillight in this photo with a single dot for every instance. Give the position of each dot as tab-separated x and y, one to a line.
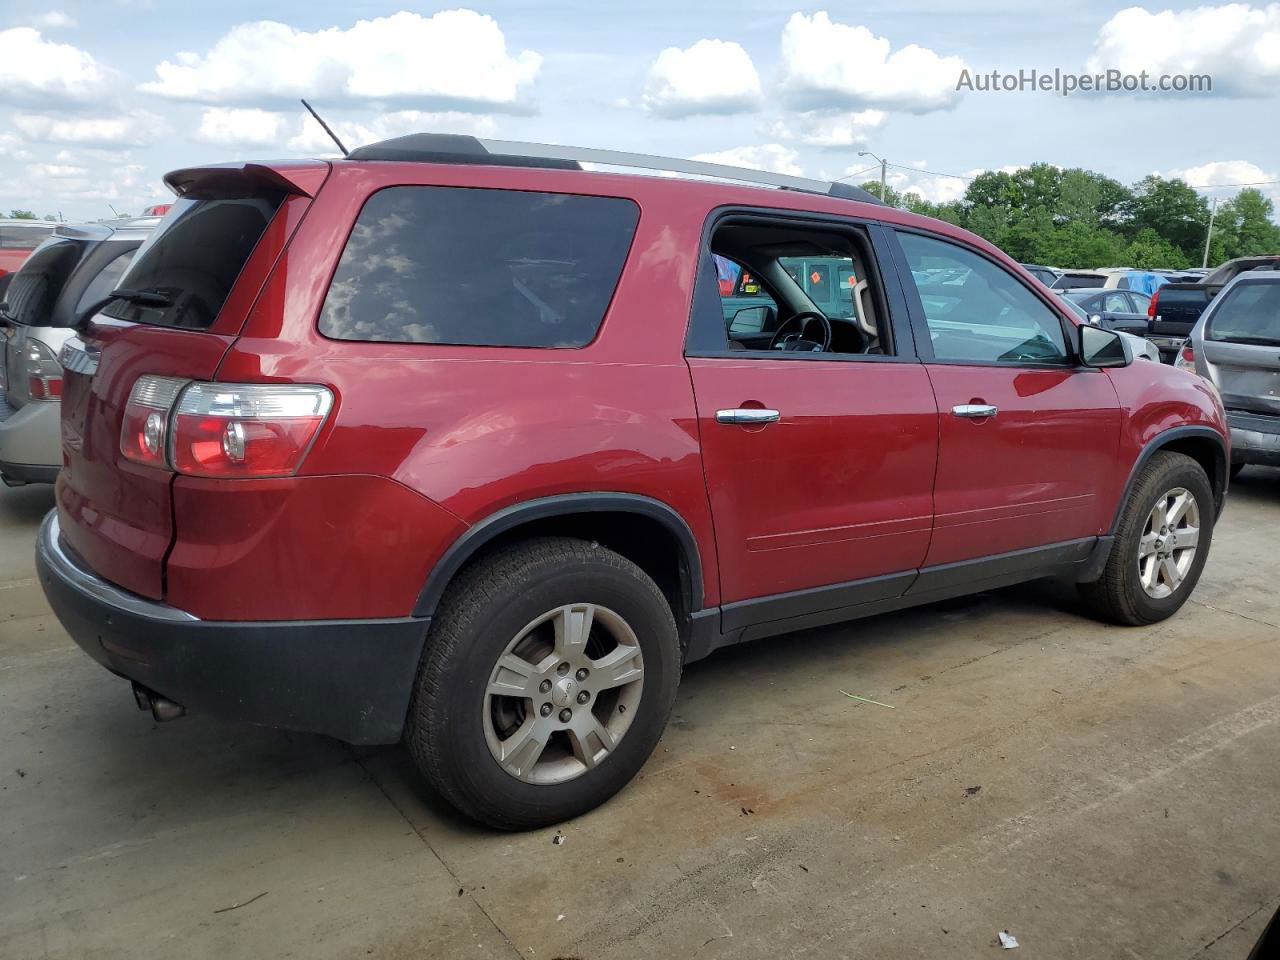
1186	358
246	430
222	429
144	434
41	371
1151	307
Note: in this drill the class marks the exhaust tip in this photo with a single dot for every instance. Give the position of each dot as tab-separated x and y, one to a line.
162	708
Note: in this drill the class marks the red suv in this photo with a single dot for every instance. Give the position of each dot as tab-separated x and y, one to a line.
452	441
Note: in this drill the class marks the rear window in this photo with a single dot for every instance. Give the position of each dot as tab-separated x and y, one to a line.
1250	312
193	260
20	236
1183	297
33	290
456	265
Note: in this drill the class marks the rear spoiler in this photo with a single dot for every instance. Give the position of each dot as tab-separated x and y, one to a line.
230	180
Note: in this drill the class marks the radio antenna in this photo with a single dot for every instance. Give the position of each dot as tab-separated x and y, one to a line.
332	136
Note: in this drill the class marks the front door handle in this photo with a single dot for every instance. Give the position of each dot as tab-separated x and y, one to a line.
747	415
974	411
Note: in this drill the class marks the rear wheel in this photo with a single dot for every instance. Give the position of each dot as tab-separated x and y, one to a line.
1162	542
549	674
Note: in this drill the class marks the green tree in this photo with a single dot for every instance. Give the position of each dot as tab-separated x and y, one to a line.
1172	209
22	215
1150	251
1252	230
1078	245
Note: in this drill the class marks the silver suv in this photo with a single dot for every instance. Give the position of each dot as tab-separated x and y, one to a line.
1236	346
68	273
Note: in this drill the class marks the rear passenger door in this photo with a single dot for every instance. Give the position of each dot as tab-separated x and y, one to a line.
819	464
1027	436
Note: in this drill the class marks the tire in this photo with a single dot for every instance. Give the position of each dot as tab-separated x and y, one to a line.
1120	595
521	602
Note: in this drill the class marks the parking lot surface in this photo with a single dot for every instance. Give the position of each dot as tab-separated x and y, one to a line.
1096	791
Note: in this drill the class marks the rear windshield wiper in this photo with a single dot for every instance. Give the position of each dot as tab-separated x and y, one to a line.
145	298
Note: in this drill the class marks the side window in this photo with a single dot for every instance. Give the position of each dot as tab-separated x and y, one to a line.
1116	303
977	311
741	296
1140	302
502	268
106	281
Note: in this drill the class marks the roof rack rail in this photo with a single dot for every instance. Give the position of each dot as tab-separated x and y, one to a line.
459	148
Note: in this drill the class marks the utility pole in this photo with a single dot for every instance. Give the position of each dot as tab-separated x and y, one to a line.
883	172
1213	212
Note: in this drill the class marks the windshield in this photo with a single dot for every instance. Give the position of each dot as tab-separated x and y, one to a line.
1249	313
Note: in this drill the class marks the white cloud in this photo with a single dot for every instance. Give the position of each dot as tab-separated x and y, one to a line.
134	129
828	130
38	71
769	156
710	77
456	59
1222	178
241	127
53	20
827	65
56	171
313	140
1237	44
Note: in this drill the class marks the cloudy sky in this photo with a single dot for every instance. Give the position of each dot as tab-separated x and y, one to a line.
99	99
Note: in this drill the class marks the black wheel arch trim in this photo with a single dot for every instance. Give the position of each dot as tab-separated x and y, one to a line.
1162	440
562	505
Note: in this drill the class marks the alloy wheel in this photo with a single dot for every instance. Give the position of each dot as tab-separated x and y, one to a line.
563	693
1169	541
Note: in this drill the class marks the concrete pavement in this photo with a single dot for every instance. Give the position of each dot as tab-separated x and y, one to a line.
1096	791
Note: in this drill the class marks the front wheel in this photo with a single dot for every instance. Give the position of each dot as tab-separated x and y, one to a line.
548	677
1161	544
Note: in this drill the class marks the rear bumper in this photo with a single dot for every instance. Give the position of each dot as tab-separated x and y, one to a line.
30	444
350	679
1255	438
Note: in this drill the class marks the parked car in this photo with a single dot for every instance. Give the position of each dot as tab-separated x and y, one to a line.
17	239
1142	348
1173	311
1113	309
1073	279
1228	271
449	441
67	274
1236	346
1046	275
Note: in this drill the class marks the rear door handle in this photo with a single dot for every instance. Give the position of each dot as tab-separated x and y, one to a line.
974	411
747	415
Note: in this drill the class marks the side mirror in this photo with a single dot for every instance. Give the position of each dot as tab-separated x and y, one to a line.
752	319
1100	347
1095	319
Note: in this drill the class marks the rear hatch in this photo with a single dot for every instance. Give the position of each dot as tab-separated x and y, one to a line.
191	286
1178	307
29	301
1242	347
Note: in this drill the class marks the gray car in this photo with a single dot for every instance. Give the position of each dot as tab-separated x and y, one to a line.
1236	346
70	271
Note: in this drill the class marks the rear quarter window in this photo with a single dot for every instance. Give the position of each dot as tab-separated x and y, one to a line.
479	267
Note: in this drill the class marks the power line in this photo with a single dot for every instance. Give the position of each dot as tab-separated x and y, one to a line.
1211	186
850	176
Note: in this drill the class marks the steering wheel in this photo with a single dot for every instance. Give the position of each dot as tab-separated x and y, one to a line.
797	341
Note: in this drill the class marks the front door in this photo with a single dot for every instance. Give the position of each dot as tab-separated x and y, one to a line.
1027	437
